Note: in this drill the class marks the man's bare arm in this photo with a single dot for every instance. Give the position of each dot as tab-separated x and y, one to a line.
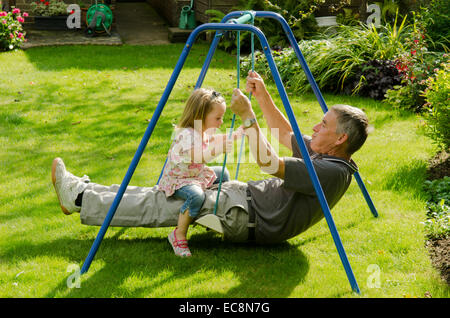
274	117
265	156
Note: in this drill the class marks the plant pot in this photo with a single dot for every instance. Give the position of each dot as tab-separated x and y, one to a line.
83	17
326	21
51	23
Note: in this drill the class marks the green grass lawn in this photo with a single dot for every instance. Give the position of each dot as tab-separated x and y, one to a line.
90	105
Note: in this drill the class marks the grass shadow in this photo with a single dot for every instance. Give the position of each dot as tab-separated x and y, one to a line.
261	271
408	178
124	58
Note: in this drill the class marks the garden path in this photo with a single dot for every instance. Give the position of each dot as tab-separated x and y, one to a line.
139	24
136	23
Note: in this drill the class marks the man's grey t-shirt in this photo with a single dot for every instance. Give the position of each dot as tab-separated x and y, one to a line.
286	208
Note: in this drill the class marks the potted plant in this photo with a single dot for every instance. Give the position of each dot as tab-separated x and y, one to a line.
327	11
49	14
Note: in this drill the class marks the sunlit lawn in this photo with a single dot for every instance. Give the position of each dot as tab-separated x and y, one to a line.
90	105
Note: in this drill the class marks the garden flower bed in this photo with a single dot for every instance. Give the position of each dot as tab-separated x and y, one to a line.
439	245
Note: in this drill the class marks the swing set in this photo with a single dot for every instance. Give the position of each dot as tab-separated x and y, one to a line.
236	21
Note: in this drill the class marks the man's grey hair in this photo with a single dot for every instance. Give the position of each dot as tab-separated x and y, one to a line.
353	122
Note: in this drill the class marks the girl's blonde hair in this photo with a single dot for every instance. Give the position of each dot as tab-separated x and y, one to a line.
198	105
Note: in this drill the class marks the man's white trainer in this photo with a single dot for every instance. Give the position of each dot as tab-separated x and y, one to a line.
67	186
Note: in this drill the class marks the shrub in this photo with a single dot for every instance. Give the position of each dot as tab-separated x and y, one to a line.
384	42
298	14
373	79
438	190
438	210
348	17
315	52
338	57
403	97
437	115
436	16
11	30
415	65
437	226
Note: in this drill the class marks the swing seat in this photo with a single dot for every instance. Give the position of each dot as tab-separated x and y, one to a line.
210	221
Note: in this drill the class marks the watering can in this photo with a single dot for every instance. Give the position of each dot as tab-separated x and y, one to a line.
187	17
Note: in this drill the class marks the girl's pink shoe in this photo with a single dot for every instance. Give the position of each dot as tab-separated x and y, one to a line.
180	247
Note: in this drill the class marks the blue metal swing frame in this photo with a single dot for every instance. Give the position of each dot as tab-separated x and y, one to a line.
220	28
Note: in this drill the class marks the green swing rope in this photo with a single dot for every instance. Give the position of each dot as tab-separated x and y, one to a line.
238	57
249	96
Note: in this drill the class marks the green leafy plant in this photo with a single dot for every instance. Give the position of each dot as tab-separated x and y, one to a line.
416	65
48	8
438	190
436	16
215	15
348	17
298	14
402	97
437	224
437	114
335	58
373	79
389	9
12	34
85	3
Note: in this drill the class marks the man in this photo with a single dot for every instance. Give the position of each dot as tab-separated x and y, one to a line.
264	211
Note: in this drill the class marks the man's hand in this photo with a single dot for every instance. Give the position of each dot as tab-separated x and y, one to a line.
255	84
240	105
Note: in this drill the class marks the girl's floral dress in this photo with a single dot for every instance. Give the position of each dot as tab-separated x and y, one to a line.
180	170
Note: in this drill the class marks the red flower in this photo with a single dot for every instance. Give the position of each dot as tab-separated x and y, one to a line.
413	52
46	3
416	41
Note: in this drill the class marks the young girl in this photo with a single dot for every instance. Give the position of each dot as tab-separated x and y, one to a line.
186	175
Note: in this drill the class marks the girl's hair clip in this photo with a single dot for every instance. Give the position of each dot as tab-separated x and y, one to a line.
215	94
